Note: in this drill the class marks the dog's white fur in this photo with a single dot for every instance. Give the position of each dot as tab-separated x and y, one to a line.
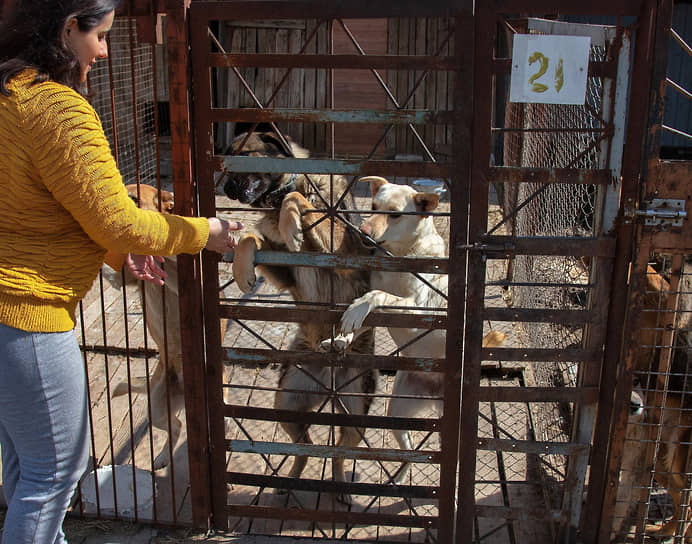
165	386
404	235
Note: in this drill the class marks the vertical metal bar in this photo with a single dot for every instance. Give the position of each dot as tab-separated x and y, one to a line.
164	313
92	435
616	378
204	151
189	274
465	95
613	108
664	18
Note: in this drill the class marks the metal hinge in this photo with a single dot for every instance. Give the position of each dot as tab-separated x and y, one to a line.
660	212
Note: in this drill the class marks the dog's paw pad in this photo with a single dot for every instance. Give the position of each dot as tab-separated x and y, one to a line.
338	344
246	283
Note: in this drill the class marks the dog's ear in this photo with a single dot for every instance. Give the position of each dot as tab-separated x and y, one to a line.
273	138
167	201
375	183
426	202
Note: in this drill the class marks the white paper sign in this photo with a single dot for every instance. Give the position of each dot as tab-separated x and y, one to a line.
549	69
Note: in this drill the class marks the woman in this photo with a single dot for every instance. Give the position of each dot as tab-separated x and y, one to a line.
63	207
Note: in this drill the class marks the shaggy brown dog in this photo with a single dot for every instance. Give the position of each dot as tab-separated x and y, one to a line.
162	314
287	227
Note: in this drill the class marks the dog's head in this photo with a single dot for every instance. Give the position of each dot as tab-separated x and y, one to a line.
147	197
261	190
397	229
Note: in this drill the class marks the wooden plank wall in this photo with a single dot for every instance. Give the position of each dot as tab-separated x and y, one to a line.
353	89
304	88
421	36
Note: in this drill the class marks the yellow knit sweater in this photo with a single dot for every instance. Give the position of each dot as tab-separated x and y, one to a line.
63	204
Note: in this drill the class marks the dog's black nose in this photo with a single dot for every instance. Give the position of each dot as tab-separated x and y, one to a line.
231	189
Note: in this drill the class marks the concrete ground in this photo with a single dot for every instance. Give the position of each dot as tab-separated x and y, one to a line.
80	531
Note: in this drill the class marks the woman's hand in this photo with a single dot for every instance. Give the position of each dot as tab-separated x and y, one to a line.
146	267
221	237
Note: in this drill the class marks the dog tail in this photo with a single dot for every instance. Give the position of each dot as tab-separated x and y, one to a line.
138	385
494	339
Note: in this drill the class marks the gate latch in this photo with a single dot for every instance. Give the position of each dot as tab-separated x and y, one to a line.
662	212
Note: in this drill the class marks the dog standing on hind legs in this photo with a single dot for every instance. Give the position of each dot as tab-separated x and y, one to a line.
165	386
407	231
285	224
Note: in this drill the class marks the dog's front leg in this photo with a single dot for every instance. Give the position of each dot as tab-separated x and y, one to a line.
291	220
353	318
360	308
244	262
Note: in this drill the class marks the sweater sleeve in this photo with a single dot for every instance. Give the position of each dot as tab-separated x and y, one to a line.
78	168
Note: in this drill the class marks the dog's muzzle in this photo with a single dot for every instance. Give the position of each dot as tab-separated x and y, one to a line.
275	198
231	189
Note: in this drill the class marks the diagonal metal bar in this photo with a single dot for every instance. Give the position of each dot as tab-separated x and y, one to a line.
389	93
681	42
261	106
676	131
256	335
545	186
388	253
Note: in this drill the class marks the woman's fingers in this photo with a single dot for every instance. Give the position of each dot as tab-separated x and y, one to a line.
221	238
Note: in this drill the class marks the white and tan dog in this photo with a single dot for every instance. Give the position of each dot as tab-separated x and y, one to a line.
405	231
165	386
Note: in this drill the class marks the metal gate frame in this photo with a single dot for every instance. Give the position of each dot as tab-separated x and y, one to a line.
200	14
466	243
660	179
609	253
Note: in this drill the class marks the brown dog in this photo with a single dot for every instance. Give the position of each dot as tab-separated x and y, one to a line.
287	226
660	424
162	315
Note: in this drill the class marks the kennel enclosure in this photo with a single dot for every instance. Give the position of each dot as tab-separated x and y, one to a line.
552	215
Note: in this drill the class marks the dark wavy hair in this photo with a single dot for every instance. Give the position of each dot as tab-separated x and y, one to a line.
32	37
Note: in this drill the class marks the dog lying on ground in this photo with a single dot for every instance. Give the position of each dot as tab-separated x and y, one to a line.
404	236
287	226
166	383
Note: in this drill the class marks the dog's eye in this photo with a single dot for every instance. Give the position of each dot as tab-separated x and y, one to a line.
395	215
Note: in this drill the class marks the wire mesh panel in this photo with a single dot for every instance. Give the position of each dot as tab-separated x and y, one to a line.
563	136
550	167
654	481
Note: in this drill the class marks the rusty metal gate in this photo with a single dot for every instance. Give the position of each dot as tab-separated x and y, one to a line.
528	194
647	478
